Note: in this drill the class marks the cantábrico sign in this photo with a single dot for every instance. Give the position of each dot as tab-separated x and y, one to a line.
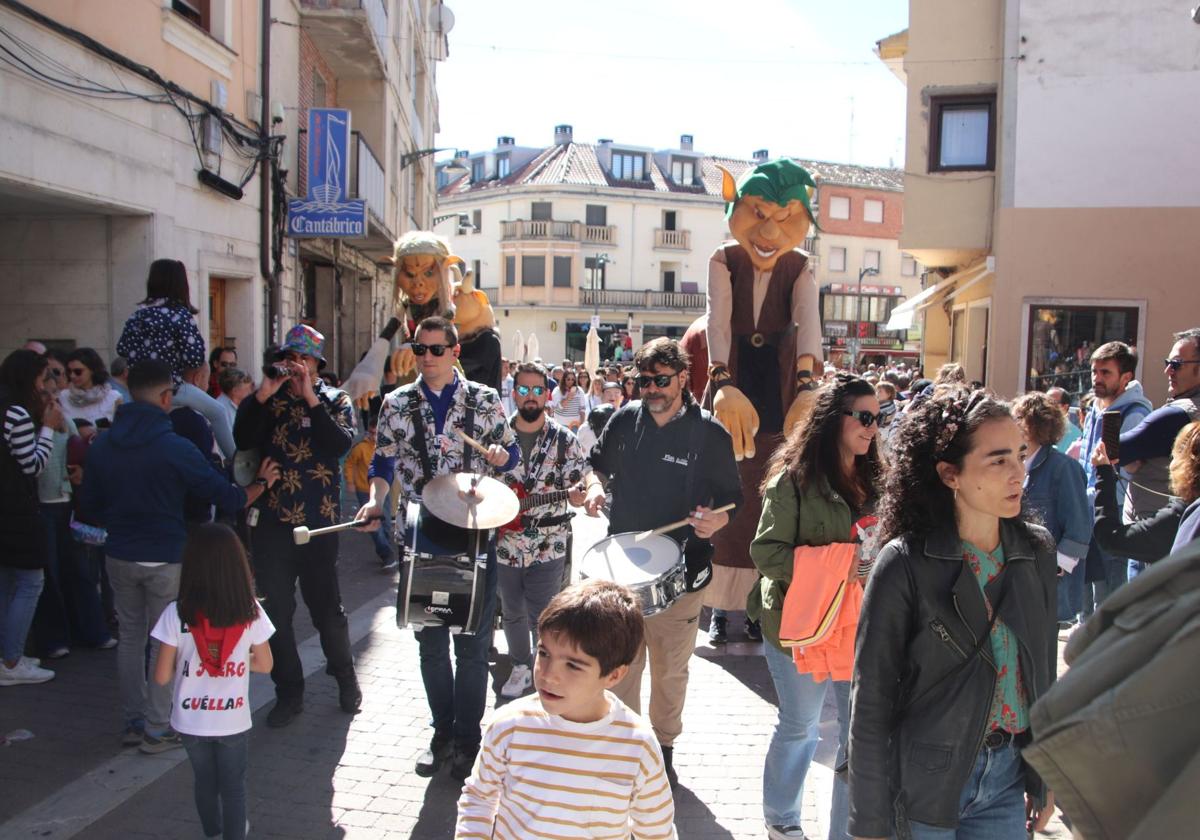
326	211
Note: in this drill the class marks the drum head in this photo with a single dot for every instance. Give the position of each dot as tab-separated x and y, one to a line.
630	560
429	535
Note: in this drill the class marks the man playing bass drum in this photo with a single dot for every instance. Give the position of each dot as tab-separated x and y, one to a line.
667	459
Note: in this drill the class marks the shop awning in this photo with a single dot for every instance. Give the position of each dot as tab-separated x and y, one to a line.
902	315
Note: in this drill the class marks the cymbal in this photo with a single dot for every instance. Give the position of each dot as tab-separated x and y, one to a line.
450	499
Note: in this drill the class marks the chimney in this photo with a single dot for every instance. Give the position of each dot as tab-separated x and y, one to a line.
563	134
760	156
604	141
461	154
685	142
505	141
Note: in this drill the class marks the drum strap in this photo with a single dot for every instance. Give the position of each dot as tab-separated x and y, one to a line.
419	442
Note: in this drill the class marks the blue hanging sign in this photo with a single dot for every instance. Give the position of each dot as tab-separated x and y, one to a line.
326	211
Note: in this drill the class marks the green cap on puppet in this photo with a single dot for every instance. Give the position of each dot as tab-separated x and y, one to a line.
778	181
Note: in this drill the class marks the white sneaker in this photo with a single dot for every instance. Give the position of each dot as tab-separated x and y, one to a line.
518	683
24	673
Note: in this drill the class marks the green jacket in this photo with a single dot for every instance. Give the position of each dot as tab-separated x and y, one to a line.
817	516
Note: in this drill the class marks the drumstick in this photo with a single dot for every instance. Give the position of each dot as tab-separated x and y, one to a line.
664	528
301	534
472	442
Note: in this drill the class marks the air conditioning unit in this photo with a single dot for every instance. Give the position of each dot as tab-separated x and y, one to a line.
464	224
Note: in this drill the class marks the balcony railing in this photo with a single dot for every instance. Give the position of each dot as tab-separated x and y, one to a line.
631	299
540	229
678	240
600	234
368	179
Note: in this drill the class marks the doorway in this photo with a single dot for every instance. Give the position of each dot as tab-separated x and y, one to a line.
216	312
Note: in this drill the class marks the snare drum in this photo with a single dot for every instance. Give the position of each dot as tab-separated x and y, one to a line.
651	565
442	575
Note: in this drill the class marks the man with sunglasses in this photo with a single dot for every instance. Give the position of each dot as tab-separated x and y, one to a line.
418	439
665	460
1146	448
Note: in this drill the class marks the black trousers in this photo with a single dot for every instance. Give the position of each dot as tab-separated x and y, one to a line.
278	564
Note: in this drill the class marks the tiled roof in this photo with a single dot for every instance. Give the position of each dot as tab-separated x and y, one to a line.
578	164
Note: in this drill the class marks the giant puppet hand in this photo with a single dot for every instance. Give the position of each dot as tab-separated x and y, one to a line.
806	395
363	382
739	417
404	361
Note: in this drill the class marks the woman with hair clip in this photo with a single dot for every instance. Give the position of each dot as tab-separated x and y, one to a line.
164	327
820	489
957	637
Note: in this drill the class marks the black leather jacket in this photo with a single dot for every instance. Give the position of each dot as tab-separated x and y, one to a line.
914	736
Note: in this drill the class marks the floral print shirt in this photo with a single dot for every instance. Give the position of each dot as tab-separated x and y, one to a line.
1010	704
165	331
541	474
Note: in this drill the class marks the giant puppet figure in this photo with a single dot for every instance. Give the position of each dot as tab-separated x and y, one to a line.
753	351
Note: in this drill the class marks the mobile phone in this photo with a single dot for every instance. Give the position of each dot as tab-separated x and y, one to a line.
1110	434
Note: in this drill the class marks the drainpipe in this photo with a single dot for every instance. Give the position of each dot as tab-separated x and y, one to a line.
264	182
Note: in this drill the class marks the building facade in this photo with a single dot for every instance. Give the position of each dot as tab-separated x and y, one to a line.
110	166
1051	183
560	235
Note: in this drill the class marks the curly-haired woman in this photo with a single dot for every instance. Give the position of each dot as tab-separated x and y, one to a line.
957	636
819	483
1173	526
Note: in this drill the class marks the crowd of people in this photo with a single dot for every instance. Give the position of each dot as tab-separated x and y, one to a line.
922	545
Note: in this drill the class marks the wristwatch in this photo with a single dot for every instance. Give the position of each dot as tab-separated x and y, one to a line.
262	482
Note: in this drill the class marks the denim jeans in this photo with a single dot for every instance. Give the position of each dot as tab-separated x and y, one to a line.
192	397
19	590
795	741
69	609
457	696
992	803
1070	593
524	593
219	767
141	593
383	546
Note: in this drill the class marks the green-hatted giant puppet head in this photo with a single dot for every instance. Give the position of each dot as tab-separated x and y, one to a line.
770	211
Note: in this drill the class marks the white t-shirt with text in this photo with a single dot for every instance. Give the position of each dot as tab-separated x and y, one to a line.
204	704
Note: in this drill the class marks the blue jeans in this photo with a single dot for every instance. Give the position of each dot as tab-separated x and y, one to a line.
992	803
219	767
795	741
69	608
19	590
192	397
457	696
1135	568
383	546
1070	593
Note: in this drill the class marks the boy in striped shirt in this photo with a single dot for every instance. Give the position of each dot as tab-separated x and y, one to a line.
572	761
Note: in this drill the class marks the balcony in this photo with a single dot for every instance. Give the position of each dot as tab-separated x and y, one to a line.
673	240
619	299
342	28
367	181
541	229
600	234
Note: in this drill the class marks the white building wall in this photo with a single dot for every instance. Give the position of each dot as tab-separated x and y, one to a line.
1106	102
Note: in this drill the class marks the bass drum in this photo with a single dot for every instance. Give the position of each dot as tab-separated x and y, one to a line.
442	573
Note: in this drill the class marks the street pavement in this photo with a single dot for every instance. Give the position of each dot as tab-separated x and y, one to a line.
331	775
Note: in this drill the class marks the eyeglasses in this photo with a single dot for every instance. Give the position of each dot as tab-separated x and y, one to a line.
55	371
660	380
76	371
524	390
438	350
865	417
227	364
1176	364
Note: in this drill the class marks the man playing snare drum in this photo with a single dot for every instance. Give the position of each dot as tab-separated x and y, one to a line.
666	460
418	439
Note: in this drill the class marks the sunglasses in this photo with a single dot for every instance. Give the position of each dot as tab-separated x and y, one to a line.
1176	364
55	371
525	390
75	371
865	417
660	380
438	350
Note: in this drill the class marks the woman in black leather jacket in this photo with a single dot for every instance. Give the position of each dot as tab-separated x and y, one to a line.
942	691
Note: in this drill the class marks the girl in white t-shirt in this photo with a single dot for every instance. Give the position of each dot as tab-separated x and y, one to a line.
212	637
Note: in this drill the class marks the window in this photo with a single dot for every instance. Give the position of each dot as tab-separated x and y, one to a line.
562	272
871	259
477	220
683	172
839	207
669	220
837	259
628	167
597	215
1062	338
533	271
962	133
510	271
503	166
541	211
593	273
668	281
318	90
476	270
873	211
908	266
195	11
478	170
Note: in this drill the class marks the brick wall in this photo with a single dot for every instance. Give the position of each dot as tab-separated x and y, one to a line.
893	212
311	61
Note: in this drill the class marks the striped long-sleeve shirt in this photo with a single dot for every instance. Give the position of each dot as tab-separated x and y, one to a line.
541	776
28	446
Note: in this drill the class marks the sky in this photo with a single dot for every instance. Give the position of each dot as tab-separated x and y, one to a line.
796	77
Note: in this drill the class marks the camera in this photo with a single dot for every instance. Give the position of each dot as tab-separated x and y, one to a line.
276	371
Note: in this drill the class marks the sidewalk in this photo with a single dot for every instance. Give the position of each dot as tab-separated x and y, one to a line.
329	775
